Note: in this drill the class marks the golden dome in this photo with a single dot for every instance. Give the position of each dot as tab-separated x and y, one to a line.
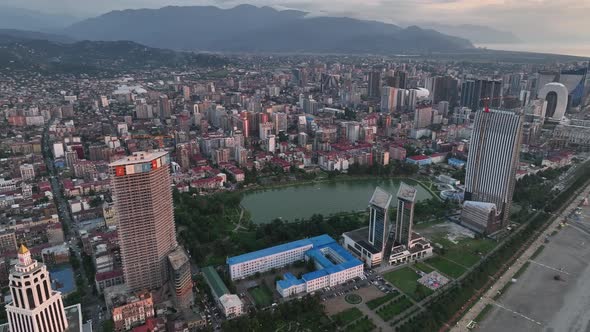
23	249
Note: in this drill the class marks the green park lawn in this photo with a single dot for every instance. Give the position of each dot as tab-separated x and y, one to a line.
447	267
262	295
381	300
466	252
394	308
423	267
362	325
347	316
405	279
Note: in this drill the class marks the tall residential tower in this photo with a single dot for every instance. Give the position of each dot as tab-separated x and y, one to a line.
143	199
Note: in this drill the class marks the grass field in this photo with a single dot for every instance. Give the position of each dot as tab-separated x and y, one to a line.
405	280
362	325
446	266
394	308
467	251
423	267
262	295
347	316
381	300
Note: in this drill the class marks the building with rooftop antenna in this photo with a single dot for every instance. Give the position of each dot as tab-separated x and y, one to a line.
494	151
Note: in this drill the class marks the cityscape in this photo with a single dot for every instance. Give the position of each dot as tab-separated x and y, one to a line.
288	172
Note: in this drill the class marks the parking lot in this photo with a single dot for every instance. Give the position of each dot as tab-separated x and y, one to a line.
553	294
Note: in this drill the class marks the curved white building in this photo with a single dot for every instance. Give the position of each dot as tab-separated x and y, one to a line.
556	95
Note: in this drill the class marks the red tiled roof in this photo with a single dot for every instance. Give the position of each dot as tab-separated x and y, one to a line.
420	157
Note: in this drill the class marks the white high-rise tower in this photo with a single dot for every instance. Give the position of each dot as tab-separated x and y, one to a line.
35	306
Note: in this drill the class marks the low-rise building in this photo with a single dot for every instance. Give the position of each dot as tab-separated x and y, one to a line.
230	304
134	312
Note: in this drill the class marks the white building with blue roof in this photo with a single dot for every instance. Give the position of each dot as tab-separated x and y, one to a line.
334	264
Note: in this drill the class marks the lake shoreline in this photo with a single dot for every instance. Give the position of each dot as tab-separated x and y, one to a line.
300	200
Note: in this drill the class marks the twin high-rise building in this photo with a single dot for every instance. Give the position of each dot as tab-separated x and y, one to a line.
380	243
142	195
379	218
493	158
406	200
35	306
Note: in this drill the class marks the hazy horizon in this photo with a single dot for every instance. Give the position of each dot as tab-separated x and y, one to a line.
562	31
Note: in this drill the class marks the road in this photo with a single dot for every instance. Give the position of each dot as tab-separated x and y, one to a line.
487	298
92	305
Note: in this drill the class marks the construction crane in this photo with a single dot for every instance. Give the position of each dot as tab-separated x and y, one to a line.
486	101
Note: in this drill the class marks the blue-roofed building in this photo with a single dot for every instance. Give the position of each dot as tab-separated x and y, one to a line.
457	163
245	265
334	265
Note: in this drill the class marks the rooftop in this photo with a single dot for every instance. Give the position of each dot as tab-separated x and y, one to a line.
138	158
314	242
177	258
360	236
214	280
380	198
406	192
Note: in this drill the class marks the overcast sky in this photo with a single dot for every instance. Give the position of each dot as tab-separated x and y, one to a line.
531	20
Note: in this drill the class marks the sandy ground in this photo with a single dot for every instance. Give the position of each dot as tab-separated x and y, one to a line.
537	302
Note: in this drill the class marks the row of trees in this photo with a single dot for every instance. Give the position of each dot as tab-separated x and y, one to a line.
206	227
536	189
444	307
305	314
394	168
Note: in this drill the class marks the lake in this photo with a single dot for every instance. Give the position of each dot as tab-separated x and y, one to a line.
302	201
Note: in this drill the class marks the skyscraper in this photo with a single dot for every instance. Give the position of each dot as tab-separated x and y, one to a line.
468	94
445	88
487	91
406	199
493	156
378	218
35	306
374	90
141	191
165	109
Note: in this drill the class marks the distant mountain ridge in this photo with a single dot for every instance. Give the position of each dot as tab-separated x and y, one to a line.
476	33
25	19
247	28
7	35
92	57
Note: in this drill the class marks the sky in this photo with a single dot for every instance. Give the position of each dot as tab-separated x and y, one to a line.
551	21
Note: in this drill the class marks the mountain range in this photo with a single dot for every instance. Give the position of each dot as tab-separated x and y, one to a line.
35	52
247	28
30	20
478	34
